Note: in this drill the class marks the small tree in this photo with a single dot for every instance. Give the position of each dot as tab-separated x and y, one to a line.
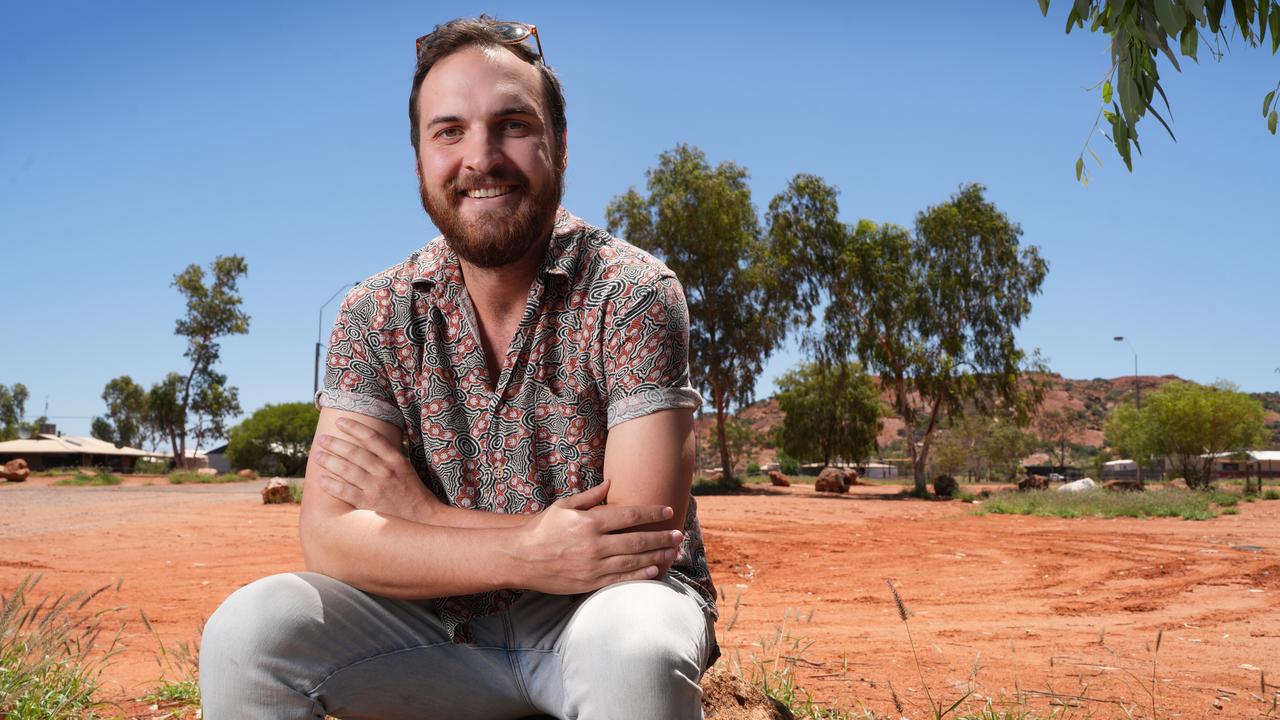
1191	424
13	405
126	421
213	312
1057	427
1004	448
741	437
831	411
275	439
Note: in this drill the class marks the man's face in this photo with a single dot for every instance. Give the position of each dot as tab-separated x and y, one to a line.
487	168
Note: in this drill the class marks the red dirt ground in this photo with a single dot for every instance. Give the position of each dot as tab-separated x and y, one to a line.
1059	611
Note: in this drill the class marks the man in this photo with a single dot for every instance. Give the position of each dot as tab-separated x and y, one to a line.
534	367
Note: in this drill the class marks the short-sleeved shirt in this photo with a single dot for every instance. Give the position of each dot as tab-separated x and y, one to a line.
604	339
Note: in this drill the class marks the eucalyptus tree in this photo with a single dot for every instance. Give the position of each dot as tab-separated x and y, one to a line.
933	312
833	410
745	285
1140	31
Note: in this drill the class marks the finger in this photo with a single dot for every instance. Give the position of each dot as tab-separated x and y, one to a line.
345	492
588	498
353	453
611	518
369	438
650	572
635	543
341	469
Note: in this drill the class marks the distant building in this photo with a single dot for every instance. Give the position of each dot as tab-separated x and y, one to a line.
1254	463
43	452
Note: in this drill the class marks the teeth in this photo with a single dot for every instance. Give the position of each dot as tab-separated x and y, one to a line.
488	192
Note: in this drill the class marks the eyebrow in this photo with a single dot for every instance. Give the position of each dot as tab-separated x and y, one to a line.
509	110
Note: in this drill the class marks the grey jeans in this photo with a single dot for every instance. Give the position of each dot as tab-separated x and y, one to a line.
302	645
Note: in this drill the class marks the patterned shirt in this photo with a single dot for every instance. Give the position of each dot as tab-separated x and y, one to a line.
604	339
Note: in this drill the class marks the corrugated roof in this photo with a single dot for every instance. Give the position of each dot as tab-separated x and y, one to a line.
67	445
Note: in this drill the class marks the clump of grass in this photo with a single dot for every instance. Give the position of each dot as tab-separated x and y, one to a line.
47	669
774	672
935	708
1167	502
1271	495
181	662
92	478
295	492
190	477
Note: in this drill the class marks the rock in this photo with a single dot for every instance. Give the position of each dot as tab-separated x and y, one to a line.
15	471
206	472
88	472
779	479
726	696
1122	485
1078	486
276	492
248	474
715	477
851	478
945	486
832	480
1034	482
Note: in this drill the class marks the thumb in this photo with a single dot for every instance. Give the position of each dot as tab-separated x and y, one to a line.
586	499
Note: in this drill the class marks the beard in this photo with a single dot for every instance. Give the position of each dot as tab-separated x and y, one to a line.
499	237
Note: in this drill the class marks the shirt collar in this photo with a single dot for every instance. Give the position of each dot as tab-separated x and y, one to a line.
437	263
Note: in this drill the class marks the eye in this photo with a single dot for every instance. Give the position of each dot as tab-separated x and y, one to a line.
449	133
515	127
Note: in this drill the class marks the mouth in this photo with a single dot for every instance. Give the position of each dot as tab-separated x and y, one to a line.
493	191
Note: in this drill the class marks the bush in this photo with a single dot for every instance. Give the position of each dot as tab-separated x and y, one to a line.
90	477
753	468
1271	495
151	467
191	477
787	464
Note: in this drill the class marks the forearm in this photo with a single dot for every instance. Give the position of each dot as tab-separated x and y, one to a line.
448	516
398	558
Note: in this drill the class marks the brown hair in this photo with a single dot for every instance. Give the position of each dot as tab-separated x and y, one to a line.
461	33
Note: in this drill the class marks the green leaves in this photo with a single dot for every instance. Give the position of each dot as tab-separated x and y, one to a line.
1271	122
1171	16
1079	167
1106	93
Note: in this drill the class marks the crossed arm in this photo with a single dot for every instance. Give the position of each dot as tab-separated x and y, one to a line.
369	521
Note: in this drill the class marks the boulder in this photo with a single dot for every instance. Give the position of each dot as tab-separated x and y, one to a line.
276	492
1034	482
206	472
851	478
248	474
726	696
1122	485
714	476
779	479
1078	485
945	486
15	471
88	472
832	480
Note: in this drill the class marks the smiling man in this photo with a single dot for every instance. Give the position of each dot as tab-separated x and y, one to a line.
482	402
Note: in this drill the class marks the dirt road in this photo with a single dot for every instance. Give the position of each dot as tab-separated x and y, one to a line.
1057	611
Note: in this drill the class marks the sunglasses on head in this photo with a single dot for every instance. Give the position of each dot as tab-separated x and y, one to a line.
512	33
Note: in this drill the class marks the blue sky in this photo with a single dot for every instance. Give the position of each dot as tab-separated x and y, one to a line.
136	138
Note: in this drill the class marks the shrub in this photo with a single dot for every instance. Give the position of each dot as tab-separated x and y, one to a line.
787	464
1271	495
90	477
189	477
1168	502
151	467
753	468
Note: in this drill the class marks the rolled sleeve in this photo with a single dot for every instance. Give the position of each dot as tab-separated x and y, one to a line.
647	353
355	377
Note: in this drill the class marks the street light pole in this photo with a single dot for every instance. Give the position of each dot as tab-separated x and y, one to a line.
1137	391
315	375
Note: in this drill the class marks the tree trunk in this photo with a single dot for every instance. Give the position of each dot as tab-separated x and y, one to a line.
726	464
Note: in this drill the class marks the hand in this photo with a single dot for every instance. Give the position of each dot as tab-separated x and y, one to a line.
575	546
369	473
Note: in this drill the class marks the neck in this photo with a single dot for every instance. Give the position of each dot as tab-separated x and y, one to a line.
503	290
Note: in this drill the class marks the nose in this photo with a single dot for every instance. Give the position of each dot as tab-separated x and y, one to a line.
482	152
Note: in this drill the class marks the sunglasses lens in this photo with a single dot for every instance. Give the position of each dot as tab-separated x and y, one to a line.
513	32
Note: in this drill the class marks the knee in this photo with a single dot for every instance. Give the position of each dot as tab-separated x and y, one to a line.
259	620
646	627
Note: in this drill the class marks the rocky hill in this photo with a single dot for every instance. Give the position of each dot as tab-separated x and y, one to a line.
1090	400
